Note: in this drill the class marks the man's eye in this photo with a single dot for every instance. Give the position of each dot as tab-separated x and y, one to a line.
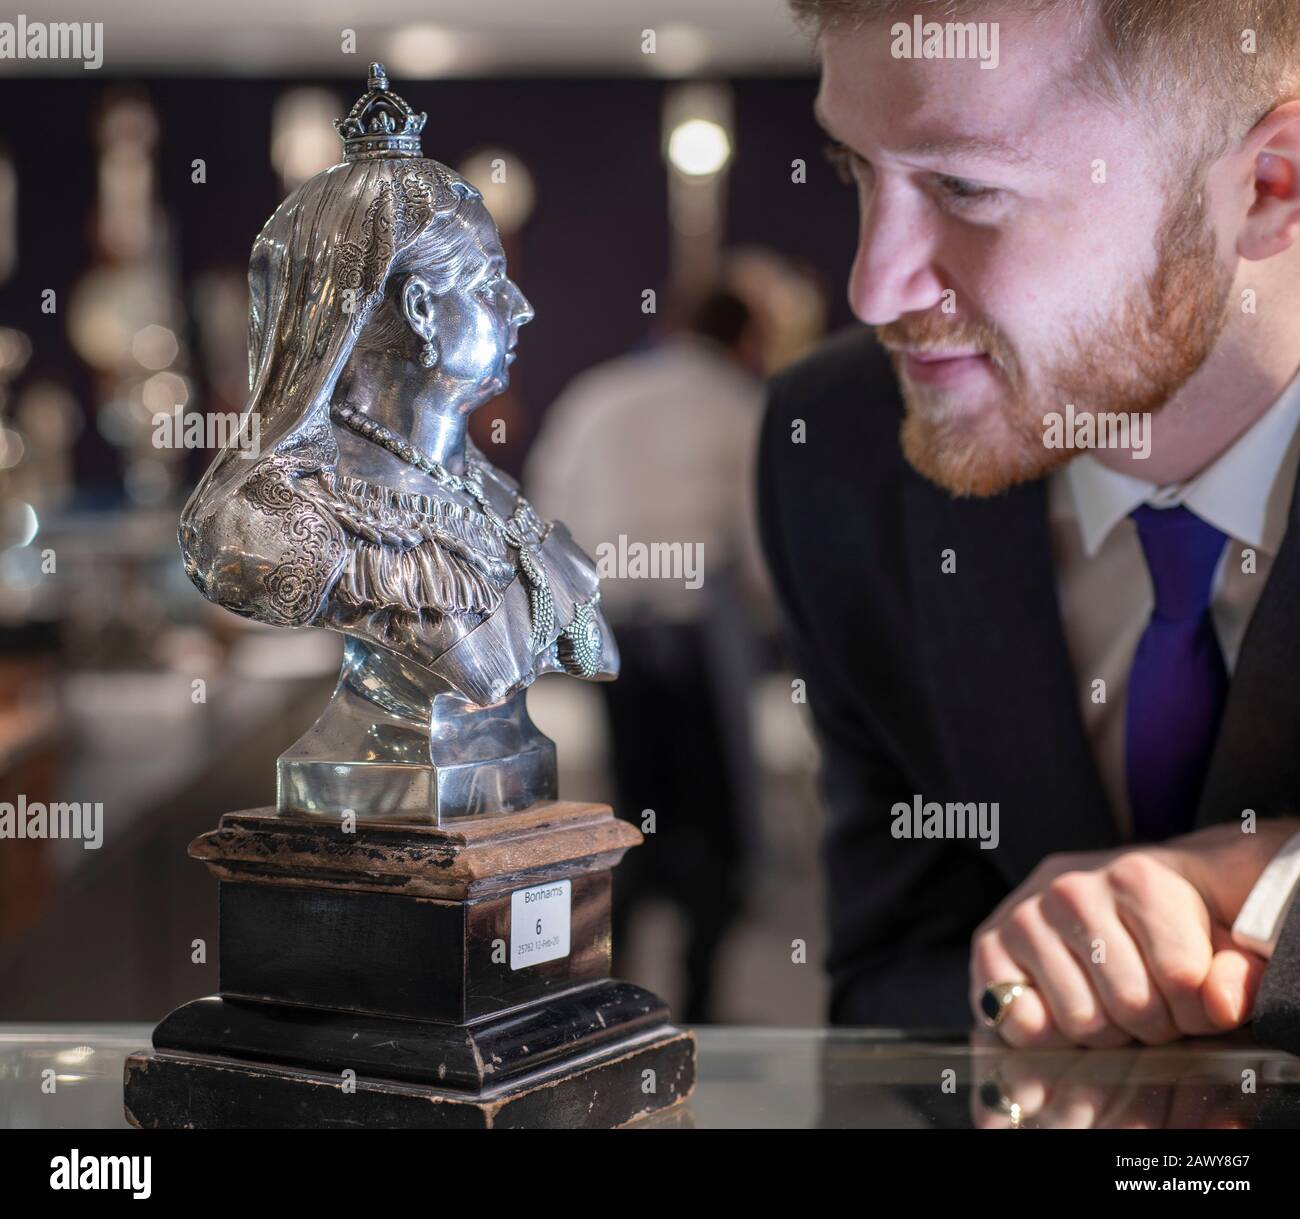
845	160
963	193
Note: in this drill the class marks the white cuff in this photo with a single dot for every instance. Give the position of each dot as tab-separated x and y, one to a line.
1264	913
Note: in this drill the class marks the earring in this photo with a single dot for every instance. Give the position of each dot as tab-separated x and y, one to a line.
428	354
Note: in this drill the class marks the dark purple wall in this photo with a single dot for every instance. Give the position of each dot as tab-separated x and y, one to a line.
597	237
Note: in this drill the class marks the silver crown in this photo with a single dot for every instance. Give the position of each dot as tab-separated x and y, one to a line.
381	124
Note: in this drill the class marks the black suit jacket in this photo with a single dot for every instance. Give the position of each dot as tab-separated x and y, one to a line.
959	687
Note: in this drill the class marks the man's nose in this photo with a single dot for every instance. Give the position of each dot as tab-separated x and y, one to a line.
893	270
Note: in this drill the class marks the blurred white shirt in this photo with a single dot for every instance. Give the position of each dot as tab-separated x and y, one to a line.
656	447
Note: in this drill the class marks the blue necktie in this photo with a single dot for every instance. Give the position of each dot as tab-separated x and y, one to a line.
1178	683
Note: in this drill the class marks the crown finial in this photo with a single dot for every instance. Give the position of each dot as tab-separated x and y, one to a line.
380	124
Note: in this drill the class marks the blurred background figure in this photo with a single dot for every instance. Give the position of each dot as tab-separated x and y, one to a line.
630	154
656	448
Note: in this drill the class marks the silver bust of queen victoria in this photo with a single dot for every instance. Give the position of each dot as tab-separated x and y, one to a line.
381	315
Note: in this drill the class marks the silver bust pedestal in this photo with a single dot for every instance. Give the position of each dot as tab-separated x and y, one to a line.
391	743
420	915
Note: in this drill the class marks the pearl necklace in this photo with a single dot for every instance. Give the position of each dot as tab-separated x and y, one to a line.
525	530
361	423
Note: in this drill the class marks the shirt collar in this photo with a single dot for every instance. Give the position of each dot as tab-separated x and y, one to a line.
1245	492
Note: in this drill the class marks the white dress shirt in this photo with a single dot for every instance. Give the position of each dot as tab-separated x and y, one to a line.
1105	595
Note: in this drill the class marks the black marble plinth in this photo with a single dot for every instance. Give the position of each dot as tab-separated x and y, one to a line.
601	1055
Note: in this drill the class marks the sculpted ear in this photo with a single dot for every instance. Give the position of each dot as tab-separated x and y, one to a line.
418	301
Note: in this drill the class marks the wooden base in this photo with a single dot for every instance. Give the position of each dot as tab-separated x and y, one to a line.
365	982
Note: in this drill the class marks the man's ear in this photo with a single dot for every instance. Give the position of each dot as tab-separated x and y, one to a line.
418	307
1273	221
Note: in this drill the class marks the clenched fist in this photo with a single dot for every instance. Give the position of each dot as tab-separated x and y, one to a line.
1129	944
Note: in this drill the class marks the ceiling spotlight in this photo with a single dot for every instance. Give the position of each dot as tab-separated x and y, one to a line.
699	147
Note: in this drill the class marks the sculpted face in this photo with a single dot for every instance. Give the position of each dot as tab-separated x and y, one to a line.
474	325
976	189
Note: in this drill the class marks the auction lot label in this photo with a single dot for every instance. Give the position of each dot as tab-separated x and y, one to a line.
539	924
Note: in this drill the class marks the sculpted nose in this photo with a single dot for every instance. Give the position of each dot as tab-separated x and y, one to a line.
523	310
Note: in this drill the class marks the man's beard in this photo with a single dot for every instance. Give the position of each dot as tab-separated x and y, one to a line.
1133	360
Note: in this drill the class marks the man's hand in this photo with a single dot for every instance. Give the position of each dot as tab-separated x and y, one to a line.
1129	943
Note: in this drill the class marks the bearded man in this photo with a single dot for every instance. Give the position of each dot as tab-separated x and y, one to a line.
1088	634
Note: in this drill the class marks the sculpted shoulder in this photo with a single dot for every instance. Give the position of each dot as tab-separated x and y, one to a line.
267	551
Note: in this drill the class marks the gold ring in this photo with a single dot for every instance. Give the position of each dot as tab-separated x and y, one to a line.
997	998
